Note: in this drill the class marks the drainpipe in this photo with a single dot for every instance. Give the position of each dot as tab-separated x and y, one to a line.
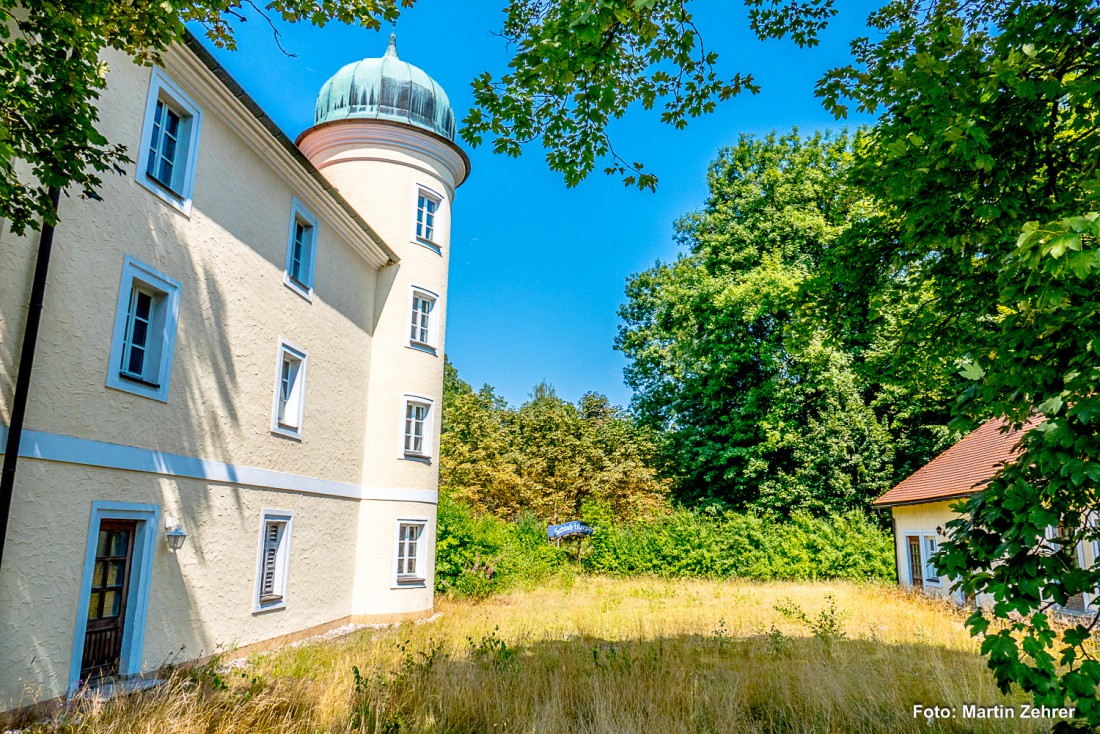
23	374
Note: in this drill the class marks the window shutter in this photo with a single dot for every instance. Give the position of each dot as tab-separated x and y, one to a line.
293	415
271	555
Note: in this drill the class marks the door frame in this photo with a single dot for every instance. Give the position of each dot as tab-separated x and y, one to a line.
907	539
921	536
147	517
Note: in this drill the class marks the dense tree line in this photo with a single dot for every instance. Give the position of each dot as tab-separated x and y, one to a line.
768	402
547	457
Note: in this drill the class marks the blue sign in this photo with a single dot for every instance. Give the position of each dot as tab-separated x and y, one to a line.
575	527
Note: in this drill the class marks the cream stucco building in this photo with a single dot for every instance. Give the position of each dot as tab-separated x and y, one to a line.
242	344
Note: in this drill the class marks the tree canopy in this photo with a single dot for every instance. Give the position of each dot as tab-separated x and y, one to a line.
547	457
768	405
575	67
985	158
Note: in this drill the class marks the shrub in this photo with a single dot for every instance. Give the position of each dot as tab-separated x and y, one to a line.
478	555
728	545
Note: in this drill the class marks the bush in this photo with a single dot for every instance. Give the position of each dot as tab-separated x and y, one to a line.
479	555
729	545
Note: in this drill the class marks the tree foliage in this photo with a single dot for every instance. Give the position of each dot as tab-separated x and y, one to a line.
765	406
576	66
546	457
985	156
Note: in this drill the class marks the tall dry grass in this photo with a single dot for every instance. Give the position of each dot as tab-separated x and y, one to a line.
600	656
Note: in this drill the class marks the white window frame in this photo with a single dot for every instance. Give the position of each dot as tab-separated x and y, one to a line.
926	558
434	243
432	344
297	398
419	579
429	426
160	348
284	518
922	536
1052	536
179	193
299	214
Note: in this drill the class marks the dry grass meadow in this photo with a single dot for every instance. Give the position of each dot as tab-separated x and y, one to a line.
598	656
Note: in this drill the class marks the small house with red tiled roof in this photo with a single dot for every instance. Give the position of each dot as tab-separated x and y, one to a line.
921	503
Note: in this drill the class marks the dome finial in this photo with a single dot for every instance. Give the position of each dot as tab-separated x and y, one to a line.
391	50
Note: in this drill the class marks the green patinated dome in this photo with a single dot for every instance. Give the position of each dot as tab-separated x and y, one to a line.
386	88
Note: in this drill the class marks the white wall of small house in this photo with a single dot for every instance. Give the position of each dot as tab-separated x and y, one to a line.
921	520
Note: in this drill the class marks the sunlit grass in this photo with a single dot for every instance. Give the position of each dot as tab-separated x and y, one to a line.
601	655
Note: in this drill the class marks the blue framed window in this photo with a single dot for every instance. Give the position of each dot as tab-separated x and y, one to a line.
301	251
290	391
146	320
169	143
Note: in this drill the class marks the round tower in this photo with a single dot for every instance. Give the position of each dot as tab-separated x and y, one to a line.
384	137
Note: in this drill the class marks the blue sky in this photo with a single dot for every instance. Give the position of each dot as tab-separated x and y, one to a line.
538	269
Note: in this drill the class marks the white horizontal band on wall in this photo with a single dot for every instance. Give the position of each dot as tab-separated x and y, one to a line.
71	450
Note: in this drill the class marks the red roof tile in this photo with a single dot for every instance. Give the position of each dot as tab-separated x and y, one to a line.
962	469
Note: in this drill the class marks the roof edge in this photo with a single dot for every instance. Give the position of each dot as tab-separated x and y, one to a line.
890	505
193	44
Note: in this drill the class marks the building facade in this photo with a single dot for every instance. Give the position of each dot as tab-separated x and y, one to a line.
232	433
921	506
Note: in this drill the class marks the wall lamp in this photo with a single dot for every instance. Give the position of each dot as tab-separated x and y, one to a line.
176	535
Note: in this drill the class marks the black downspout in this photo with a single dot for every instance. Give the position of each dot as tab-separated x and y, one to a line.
23	375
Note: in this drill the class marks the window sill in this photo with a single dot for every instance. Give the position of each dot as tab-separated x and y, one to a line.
287	432
265	608
411	582
179	202
139	380
437	249
421	458
422	347
142	389
300	289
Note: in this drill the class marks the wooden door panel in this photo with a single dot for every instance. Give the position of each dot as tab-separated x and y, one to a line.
916	568
106	613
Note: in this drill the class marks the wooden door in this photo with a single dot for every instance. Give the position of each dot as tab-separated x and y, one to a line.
106	618
916	568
